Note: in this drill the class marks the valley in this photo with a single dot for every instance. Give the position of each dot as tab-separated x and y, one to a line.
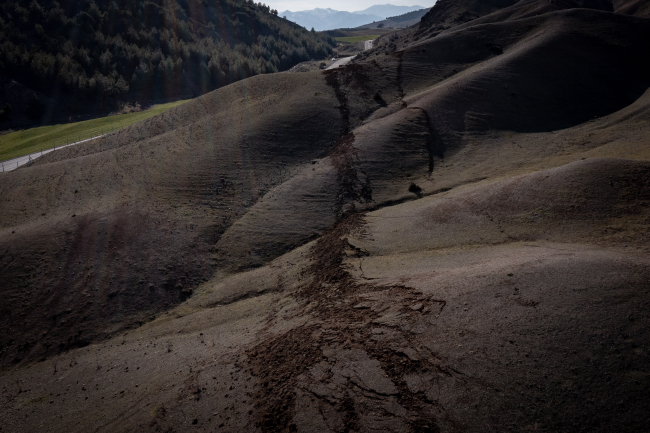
449	233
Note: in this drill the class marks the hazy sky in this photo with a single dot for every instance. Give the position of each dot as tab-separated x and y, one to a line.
339	5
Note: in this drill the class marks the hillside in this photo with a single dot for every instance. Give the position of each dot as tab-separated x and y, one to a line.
451	16
91	56
388	10
399	21
447	14
451	233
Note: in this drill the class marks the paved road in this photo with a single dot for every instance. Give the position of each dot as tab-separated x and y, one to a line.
341	62
12	164
367	45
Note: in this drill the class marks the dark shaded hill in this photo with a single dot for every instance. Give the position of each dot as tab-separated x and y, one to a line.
81	57
448	16
408	16
446	13
399	21
533	8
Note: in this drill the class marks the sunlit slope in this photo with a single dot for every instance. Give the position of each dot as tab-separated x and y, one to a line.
440	309
595	201
32	140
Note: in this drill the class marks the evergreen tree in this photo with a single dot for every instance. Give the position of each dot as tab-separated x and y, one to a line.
117	50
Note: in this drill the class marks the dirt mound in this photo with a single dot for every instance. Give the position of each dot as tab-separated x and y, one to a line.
151	204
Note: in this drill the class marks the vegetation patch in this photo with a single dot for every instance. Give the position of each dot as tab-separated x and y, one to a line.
98	53
353	39
33	140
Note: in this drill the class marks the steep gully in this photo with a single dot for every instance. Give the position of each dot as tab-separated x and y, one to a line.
346	316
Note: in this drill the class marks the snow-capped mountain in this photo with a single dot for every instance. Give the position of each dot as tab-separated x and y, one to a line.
328	19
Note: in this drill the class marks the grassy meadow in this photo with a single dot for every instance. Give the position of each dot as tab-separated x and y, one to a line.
353	39
32	140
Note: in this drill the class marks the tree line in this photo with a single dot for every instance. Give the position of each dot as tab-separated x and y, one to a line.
113	50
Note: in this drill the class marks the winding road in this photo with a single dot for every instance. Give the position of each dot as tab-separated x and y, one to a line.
341	62
367	45
12	164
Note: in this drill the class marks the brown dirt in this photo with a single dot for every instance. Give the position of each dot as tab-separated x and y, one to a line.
281	362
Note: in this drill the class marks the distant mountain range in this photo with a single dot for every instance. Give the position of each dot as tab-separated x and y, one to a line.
328	19
388	10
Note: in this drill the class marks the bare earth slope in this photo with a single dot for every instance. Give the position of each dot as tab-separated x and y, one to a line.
532	8
446	14
449	237
147	205
639	8
398	330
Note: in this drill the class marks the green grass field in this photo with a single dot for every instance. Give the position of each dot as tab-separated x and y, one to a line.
32	140
353	39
